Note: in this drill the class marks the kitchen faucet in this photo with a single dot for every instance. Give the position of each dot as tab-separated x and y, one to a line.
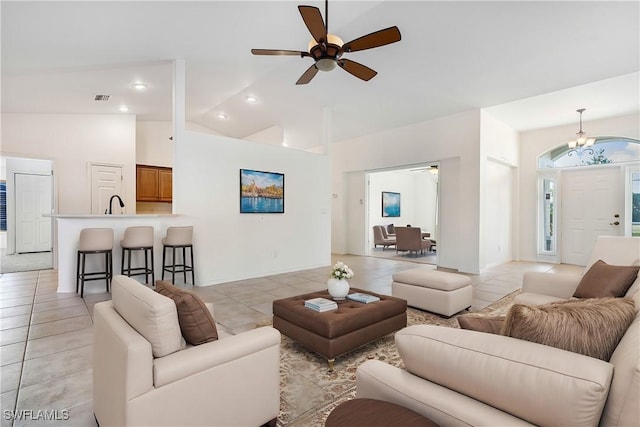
111	203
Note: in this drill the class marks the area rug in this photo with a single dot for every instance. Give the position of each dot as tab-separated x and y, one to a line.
309	391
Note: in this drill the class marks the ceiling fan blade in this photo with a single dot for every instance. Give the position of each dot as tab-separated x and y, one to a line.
278	52
377	39
313	20
308	75
360	71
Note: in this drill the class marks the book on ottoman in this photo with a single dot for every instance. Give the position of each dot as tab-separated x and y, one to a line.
320	304
363	298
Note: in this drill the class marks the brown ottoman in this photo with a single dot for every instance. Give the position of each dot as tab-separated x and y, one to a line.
371	412
336	332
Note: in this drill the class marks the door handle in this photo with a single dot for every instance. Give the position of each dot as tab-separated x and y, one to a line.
615	223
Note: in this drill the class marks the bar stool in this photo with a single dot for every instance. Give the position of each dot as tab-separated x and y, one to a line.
137	239
94	241
176	238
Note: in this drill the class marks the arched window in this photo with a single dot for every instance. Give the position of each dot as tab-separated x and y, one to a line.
606	149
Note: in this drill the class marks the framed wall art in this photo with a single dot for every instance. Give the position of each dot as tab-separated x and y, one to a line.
390	204
261	192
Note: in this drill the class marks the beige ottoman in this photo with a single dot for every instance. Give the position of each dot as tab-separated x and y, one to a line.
436	291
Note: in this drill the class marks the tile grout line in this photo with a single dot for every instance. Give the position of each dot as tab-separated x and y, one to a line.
24	351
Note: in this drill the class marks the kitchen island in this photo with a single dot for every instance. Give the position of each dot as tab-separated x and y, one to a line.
67	235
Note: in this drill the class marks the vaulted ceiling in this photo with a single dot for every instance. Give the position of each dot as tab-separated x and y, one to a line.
454	56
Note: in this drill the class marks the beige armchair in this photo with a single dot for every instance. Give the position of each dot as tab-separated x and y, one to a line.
380	237
410	239
143	374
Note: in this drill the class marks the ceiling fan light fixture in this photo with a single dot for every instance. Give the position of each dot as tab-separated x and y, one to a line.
326	64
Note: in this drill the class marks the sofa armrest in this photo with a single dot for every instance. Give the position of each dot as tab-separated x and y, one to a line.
540	384
192	360
378	380
560	285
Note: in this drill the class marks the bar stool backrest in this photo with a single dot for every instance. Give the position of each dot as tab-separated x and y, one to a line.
178	236
96	239
137	237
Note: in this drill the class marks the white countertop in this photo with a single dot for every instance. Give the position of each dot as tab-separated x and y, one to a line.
106	216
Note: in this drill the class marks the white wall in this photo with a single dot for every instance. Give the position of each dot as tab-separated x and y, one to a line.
396	183
232	246
72	141
533	144
499	157
153	146
455	142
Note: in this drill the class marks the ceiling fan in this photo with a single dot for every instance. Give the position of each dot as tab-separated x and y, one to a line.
327	49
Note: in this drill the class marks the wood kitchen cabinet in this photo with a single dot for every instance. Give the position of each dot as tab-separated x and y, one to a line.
153	184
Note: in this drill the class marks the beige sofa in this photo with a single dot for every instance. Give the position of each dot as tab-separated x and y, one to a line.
144	374
458	377
542	288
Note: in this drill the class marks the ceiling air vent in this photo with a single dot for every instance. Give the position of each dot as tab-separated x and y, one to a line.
102	97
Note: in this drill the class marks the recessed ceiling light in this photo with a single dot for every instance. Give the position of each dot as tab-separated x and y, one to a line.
139	86
124	108
222	116
251	99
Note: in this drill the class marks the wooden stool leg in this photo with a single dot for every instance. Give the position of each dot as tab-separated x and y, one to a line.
164	253
153	278
106	270
146	266
193	277
173	267
184	262
84	259
129	263
78	273
110	269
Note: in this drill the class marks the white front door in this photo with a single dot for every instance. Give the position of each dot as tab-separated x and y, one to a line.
33	200
592	206
106	181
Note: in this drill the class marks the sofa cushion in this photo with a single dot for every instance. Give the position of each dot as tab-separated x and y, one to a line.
196	322
605	280
488	324
152	315
592	327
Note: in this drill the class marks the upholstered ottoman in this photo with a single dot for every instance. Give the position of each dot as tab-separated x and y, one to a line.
333	333
371	412
432	290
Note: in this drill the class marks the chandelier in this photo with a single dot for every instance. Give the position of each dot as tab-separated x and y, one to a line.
581	144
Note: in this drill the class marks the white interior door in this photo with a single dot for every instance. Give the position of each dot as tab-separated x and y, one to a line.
105	182
33	200
592	206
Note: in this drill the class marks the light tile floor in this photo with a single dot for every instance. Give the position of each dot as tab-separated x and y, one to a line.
46	337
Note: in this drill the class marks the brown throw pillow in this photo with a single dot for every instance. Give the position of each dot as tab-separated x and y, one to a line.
488	324
605	280
592	326
196	322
